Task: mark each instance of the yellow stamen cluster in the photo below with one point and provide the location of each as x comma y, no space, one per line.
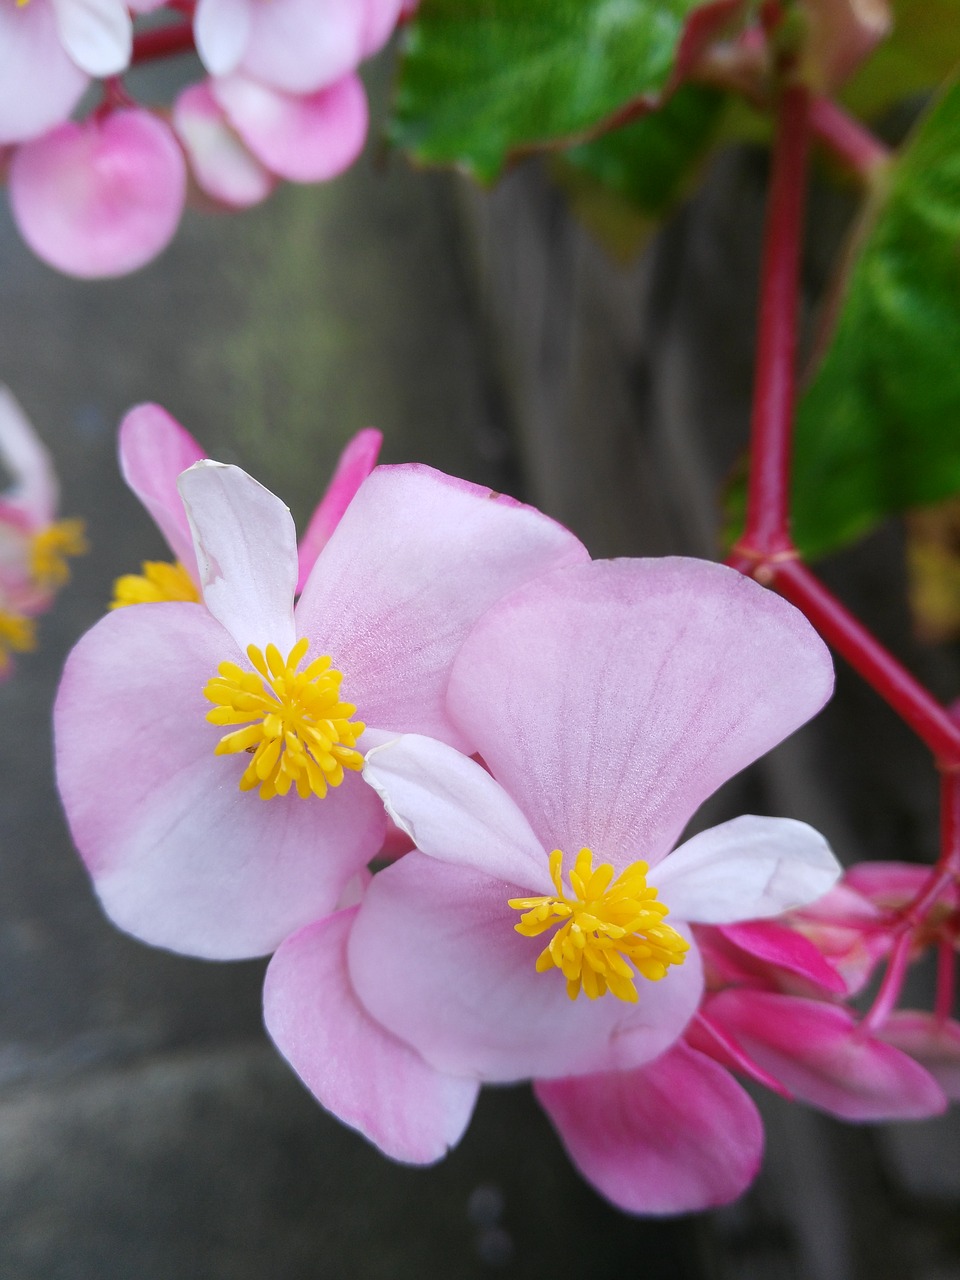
49,549
18,634
604,926
303,735
160,582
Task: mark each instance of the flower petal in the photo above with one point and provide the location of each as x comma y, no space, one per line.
746,869
675,1136
415,560
358,459
611,699
154,450
246,547
221,165
817,1051
291,50
776,944
179,855
935,1044
35,491
364,1075
39,84
435,958
221,29
97,34
453,810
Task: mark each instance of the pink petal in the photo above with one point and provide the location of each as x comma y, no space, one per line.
246,547
453,810
676,674
97,34
221,165
435,958
746,869
775,944
290,49
303,138
100,198
887,884
842,34
154,449
817,1051
179,855
416,559
221,30
365,1076
675,1136
39,84
382,17
935,1044
357,460
35,490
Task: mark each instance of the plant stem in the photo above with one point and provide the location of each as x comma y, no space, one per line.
162,42
847,139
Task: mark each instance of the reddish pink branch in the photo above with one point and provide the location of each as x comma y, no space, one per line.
847,139
946,979
162,42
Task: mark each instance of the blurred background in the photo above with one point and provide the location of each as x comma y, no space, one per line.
147,1128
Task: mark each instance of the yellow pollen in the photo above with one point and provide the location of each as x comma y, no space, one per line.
302,733
605,925
160,582
18,634
49,550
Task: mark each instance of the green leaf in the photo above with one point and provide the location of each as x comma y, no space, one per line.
878,429
651,161
483,78
920,53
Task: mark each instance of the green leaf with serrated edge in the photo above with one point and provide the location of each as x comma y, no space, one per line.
482,78
878,428
650,162
920,52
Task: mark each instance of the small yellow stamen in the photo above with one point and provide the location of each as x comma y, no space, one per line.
302,734
159,582
18,634
49,549
604,926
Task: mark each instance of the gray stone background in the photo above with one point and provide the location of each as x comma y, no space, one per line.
147,1129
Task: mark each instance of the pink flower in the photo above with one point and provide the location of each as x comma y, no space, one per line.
183,851
34,545
608,700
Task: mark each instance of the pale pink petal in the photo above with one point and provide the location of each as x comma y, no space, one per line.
887,884
416,559
246,547
841,34
675,1136
100,198
775,944
364,1075
453,810
381,18
221,165
435,958
613,698
221,29
39,84
816,1050
934,1042
303,138
35,490
746,869
358,459
179,855
97,34
293,48
154,449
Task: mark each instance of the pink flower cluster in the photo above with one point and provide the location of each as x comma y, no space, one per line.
34,544
541,728
102,195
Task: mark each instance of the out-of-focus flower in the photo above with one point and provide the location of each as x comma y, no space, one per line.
608,701
180,855
34,544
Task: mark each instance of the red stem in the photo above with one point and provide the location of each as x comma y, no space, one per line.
946,980
847,139
162,42
768,492
871,660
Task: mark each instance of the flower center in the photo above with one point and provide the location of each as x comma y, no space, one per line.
605,926
159,583
302,733
18,634
49,550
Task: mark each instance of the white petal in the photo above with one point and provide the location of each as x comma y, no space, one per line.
221,29
97,34
25,457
